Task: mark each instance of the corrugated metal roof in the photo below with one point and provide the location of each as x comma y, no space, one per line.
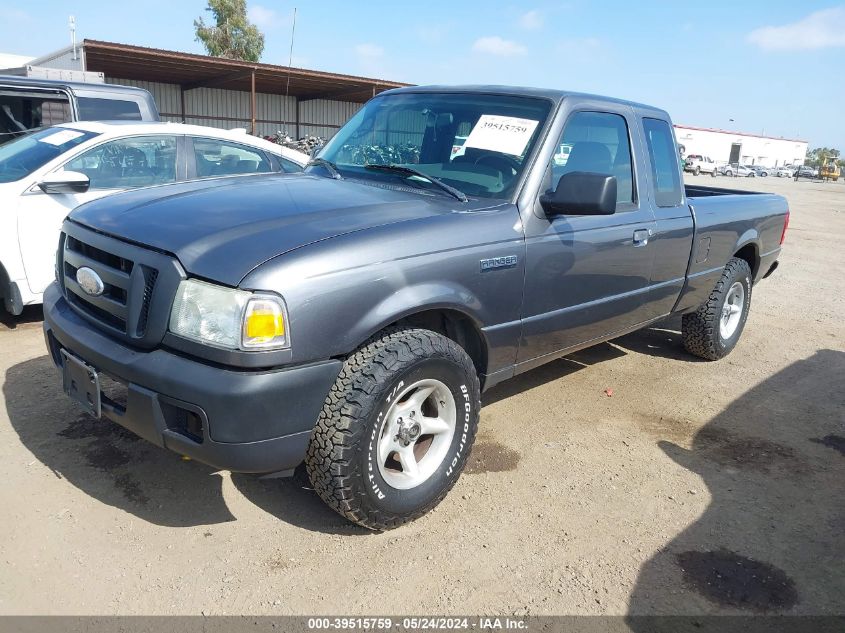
195,71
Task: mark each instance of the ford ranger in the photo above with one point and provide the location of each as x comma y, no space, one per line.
350,316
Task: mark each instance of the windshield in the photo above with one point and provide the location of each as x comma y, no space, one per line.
475,143
24,155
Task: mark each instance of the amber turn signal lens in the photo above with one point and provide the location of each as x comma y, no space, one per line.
264,323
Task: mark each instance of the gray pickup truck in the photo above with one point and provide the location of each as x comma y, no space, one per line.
350,317
28,103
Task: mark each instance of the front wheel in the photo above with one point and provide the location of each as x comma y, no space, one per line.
696,171
713,330
396,429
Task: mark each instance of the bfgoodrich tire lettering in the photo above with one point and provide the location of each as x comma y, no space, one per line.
702,334
343,455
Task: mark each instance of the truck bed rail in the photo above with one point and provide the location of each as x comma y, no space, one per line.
700,191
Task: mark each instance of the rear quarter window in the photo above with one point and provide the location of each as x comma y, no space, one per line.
91,109
219,157
289,167
665,168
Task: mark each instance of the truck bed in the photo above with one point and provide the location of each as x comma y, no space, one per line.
725,220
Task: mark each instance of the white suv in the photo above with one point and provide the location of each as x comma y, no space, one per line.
698,164
48,172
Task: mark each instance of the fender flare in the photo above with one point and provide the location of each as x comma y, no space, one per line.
750,238
416,299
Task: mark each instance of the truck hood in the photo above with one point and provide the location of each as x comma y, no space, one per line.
223,228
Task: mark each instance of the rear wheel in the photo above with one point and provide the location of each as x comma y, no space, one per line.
713,330
713,173
396,428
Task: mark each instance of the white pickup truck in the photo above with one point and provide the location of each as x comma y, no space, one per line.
698,164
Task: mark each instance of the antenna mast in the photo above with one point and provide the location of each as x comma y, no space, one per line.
72,26
290,55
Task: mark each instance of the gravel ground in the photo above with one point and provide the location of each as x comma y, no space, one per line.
695,488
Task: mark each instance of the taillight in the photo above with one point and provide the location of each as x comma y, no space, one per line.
785,226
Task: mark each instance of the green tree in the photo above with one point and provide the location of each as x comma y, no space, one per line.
233,36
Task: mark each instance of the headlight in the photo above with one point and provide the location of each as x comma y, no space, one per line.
229,318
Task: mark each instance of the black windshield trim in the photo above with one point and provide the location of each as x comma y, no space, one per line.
410,171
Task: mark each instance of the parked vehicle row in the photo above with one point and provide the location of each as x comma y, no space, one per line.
350,316
47,173
697,164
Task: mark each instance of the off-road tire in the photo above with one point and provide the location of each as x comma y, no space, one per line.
339,457
700,329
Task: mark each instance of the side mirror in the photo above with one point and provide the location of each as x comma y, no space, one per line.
581,193
65,182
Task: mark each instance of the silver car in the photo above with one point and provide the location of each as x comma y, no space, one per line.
740,170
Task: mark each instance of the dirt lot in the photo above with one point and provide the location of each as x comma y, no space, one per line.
696,488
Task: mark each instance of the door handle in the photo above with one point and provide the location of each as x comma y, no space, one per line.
641,236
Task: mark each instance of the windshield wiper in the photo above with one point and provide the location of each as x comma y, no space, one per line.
327,164
410,171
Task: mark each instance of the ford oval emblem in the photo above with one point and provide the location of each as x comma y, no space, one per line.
90,281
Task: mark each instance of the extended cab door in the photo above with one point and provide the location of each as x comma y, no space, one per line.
672,241
112,166
587,276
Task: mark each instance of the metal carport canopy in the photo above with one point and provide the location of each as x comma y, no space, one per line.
194,71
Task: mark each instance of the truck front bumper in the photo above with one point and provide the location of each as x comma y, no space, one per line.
243,421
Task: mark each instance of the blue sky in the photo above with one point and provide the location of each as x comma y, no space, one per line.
773,66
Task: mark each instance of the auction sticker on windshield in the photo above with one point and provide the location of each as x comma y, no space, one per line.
505,134
61,137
